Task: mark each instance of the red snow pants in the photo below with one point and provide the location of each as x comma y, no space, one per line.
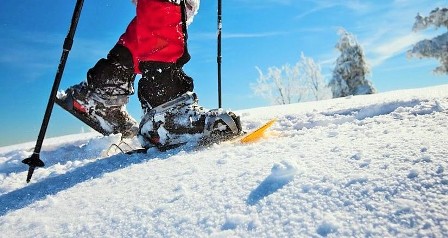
155,34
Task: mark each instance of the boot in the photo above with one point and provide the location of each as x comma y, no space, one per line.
101,100
172,114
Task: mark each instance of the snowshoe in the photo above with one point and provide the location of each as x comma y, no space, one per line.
182,120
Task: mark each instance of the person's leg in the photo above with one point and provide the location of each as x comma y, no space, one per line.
129,39
161,44
160,31
102,98
172,112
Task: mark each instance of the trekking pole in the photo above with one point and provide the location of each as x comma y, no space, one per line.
34,161
219,59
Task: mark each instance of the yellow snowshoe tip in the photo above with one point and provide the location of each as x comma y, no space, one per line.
258,133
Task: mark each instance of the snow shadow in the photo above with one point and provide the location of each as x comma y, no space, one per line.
266,188
33,192
281,175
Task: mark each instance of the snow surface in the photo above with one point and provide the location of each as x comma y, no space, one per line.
363,166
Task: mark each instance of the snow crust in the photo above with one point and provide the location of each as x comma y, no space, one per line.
359,166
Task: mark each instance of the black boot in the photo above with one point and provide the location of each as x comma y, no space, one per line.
161,82
113,76
172,114
101,100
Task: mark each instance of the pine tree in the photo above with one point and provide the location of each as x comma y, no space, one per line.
351,70
436,48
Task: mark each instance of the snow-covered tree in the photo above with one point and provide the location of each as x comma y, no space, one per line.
291,84
313,79
436,48
278,85
351,70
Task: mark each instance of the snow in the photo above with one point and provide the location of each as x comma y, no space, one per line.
359,166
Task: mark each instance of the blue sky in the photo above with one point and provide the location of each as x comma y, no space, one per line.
255,34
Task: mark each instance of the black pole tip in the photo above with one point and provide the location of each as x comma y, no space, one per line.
30,174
